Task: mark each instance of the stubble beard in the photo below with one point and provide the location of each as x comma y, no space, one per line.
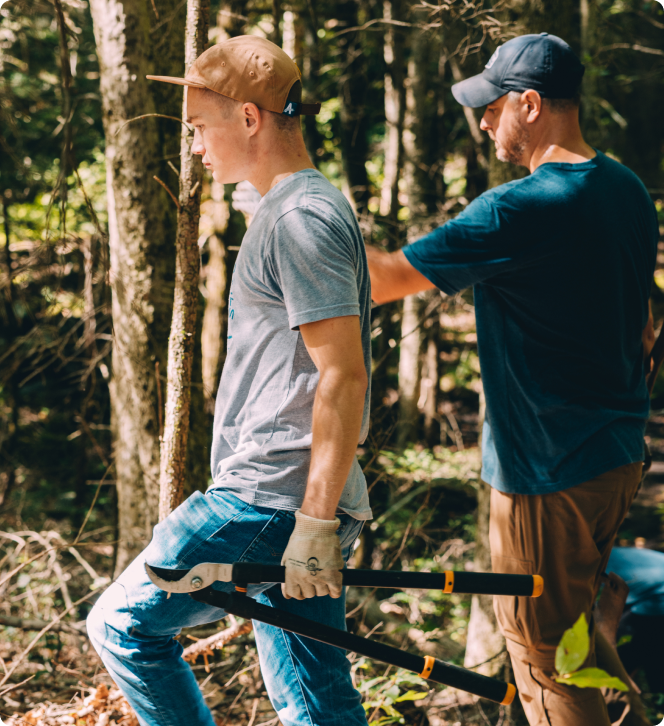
513,149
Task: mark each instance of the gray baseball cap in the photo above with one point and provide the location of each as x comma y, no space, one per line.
542,62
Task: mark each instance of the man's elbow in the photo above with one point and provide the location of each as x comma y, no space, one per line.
353,379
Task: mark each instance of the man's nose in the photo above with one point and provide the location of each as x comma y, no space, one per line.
197,146
484,124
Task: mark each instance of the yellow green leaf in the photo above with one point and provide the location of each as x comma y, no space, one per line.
412,696
573,647
592,678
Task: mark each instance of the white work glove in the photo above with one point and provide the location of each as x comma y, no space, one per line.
313,559
246,198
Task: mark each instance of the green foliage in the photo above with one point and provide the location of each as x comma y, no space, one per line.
441,464
592,678
572,652
573,647
384,693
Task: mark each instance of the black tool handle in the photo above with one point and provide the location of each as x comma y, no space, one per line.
476,583
427,667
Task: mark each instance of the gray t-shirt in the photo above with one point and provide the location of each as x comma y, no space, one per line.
302,260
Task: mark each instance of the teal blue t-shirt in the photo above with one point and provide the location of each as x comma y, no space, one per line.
562,263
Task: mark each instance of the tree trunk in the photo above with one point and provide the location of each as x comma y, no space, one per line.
421,142
353,89
395,109
185,300
141,226
229,229
313,139
409,370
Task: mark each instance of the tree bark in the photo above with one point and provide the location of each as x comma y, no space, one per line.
313,139
395,109
409,370
185,300
353,88
141,227
421,144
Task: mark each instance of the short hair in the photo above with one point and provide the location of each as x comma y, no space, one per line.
224,103
555,105
284,123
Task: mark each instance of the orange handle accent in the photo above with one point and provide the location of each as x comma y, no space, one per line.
449,581
428,666
509,696
240,589
538,585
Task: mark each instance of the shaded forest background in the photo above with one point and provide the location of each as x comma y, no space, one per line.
90,197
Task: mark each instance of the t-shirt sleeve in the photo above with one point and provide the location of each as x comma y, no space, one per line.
470,248
312,265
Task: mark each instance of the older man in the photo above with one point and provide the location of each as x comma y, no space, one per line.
561,263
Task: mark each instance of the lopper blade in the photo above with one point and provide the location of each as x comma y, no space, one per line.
197,578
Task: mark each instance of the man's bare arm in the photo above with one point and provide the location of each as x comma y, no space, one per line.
335,346
392,276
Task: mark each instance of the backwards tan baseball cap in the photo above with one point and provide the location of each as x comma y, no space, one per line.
248,69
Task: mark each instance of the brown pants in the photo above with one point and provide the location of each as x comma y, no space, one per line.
566,537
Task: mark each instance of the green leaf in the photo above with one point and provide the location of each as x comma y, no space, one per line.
573,647
412,696
592,678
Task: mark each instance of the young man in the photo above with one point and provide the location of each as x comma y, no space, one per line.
291,408
561,262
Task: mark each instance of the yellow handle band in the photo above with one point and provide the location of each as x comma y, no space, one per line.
509,696
449,581
428,666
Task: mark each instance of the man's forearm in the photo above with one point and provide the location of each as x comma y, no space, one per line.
337,420
392,276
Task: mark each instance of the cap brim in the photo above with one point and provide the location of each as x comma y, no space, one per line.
476,91
176,81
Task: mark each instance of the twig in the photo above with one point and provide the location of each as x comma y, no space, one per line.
16,570
154,7
239,673
10,621
173,197
253,712
147,115
632,46
16,685
160,403
216,641
94,501
237,698
84,564
43,631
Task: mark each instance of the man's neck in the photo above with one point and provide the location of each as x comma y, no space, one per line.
562,143
277,165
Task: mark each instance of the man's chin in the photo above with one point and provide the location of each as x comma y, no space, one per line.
503,155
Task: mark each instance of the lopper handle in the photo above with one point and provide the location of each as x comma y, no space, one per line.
427,667
475,583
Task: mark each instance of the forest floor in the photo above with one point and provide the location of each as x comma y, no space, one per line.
58,678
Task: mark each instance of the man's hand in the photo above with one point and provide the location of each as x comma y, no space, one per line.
313,559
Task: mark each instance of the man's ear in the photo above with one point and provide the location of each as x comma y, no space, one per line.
252,118
532,103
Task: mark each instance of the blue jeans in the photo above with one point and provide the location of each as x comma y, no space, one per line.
133,624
